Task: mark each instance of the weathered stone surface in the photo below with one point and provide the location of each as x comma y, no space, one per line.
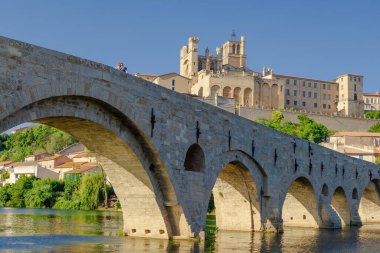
252,170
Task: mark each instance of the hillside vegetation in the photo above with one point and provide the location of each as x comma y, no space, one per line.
34,140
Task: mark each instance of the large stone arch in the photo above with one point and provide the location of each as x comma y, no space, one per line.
369,207
237,183
341,210
128,157
300,207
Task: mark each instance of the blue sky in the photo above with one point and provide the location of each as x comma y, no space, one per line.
318,39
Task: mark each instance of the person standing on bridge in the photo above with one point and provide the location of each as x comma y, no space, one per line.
120,66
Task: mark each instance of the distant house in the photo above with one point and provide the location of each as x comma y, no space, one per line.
84,157
63,168
30,168
171,81
51,162
361,145
5,164
33,158
75,174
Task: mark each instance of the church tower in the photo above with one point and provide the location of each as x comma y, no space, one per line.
189,59
234,52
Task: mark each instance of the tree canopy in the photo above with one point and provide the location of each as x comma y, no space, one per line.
372,115
34,140
306,129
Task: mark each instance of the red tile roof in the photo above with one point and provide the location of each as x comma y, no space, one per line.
82,169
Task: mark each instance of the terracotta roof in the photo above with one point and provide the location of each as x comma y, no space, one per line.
376,94
49,158
356,134
303,78
19,164
82,169
5,163
169,75
70,165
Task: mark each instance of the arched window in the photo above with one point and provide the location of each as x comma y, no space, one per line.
195,159
233,48
355,97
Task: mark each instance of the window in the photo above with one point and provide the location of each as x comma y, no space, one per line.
287,102
324,86
329,86
75,177
324,96
309,85
355,97
371,100
309,94
287,92
329,106
287,81
367,100
315,105
354,87
304,93
315,95
359,79
355,79
341,87
315,85
303,103
67,177
295,82
324,106
295,102
295,93
350,78
304,84
342,95
173,84
281,88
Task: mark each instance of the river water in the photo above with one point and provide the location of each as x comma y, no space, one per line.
45,230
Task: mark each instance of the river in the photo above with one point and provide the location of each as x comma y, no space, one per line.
46,230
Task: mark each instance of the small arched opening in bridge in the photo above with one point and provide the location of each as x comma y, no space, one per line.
128,158
325,190
340,205
369,207
300,208
195,159
236,199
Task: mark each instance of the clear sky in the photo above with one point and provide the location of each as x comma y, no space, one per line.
314,38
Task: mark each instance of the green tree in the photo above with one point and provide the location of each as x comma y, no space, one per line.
5,194
19,189
375,128
372,115
41,195
91,191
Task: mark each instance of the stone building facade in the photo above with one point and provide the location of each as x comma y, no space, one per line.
371,101
227,75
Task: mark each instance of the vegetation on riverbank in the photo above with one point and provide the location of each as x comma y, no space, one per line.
89,193
34,140
306,129
372,115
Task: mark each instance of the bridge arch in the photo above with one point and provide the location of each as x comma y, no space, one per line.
369,207
339,203
300,204
128,157
237,183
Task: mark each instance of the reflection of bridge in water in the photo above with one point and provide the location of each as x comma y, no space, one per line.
166,152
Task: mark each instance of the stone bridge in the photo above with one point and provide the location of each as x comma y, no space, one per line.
165,152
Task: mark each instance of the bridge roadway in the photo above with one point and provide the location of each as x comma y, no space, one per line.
165,153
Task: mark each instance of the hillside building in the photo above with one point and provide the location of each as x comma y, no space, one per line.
371,101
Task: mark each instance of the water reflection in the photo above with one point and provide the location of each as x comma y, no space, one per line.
28,230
